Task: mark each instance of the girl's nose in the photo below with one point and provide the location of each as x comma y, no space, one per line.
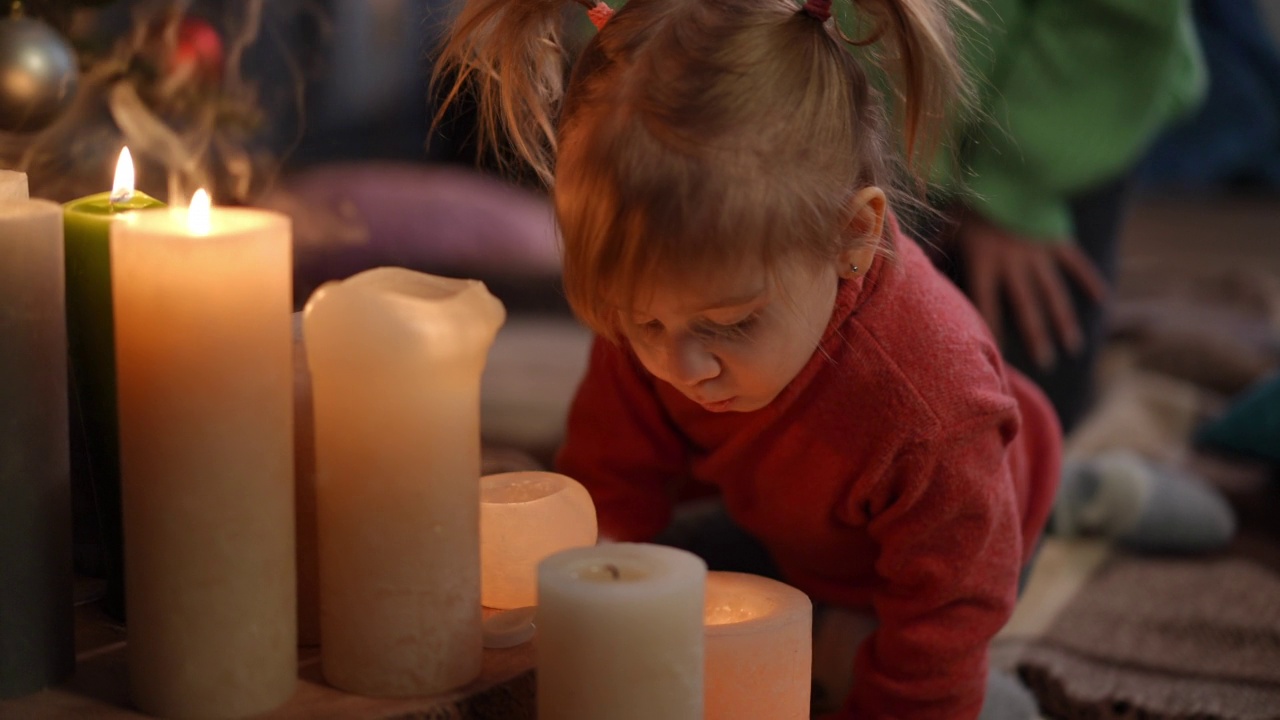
690,363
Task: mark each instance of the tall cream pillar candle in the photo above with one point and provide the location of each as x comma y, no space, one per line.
396,358
759,649
205,379
525,517
620,633
35,492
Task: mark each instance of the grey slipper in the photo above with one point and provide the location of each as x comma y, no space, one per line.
1144,506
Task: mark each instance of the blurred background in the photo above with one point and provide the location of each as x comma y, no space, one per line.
326,104
295,103
322,109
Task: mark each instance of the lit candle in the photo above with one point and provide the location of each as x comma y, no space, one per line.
203,348
13,185
92,355
36,647
620,633
525,517
396,358
759,649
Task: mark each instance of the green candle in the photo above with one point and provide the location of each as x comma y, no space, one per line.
91,339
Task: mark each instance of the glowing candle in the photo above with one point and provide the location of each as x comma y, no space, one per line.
620,633
203,344
13,185
396,358
92,355
525,517
759,649
35,498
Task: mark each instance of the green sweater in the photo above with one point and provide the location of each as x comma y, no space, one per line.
1071,94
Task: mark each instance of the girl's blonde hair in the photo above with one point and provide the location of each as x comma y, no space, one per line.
694,133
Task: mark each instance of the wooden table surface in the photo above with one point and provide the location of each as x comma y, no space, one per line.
99,688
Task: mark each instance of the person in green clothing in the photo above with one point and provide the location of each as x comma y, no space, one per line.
1070,95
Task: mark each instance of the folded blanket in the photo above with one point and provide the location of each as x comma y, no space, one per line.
1164,639
1170,638
1071,687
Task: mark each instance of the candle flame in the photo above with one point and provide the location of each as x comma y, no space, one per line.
122,188
198,213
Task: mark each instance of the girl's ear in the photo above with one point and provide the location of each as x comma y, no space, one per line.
862,236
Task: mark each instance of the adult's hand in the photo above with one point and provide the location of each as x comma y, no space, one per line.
1032,274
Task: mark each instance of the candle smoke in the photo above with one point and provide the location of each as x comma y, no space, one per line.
193,136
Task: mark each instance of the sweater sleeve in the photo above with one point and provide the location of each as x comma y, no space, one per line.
945,520
1080,90
621,445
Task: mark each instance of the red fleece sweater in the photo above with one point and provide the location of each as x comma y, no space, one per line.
905,471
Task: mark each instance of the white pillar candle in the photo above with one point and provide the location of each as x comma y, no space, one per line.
396,358
620,633
759,649
525,517
36,648
13,185
204,377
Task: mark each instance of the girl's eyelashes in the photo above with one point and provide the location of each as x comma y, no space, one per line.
705,328
647,328
734,330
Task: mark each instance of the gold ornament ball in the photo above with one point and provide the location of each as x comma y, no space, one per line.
38,74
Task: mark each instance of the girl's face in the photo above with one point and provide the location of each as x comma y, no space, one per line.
731,341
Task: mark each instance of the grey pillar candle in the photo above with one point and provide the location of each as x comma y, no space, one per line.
36,638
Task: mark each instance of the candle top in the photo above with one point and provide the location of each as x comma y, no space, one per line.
415,315
522,487
739,603
18,208
100,204
621,570
220,222
13,185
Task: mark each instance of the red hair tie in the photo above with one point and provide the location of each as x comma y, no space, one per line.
601,13
819,9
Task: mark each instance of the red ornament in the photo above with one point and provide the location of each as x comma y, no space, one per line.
198,55
600,15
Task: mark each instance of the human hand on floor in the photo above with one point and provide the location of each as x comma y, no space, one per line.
1032,274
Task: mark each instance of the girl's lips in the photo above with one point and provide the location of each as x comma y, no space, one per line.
720,405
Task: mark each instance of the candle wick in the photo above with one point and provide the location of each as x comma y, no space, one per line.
613,571
119,196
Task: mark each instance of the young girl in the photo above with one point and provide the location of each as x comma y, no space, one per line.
721,174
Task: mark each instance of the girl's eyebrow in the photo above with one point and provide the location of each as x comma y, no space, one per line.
733,302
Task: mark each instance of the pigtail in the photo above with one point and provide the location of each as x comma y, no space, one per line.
508,55
918,50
